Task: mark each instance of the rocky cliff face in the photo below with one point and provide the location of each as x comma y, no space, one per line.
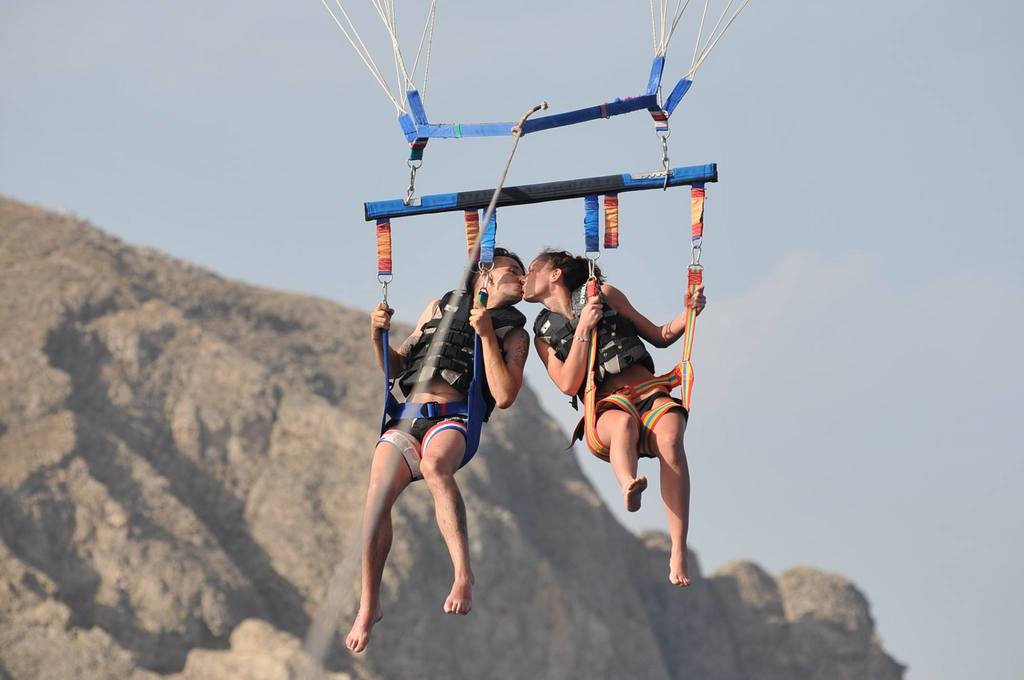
183,461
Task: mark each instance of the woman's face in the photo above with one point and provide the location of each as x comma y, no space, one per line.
538,280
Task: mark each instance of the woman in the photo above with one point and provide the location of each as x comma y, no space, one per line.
636,416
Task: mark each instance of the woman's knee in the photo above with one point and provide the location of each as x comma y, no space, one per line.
619,422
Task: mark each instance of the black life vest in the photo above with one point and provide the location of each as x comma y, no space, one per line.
453,360
618,343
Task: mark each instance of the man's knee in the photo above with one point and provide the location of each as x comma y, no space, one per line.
434,468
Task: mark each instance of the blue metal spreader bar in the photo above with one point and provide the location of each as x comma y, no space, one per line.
417,127
539,193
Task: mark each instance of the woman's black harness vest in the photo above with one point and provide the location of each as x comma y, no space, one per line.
618,344
453,361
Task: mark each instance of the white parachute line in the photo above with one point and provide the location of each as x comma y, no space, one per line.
385,11
664,24
711,45
680,8
430,48
360,48
721,18
387,15
428,26
700,35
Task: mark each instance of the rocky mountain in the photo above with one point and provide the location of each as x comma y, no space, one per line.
183,462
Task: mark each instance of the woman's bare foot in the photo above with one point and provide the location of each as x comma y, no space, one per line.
359,636
632,493
460,599
677,573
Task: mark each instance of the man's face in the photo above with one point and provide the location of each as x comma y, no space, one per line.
506,286
538,280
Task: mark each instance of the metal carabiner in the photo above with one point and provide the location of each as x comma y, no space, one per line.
384,287
411,191
664,158
695,252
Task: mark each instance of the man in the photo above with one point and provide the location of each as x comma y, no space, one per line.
432,445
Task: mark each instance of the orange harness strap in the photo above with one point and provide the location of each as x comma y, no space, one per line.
626,398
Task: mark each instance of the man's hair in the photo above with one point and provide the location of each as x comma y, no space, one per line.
503,252
575,268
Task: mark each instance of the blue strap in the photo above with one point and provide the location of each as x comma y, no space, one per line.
590,220
681,88
453,130
487,241
391,405
654,82
408,127
431,409
416,107
477,405
590,113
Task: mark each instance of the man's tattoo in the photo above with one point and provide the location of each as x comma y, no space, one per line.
407,345
518,350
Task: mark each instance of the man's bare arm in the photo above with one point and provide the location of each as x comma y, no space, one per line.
505,369
397,357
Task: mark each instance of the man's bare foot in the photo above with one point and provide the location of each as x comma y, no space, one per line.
460,600
632,493
677,573
359,636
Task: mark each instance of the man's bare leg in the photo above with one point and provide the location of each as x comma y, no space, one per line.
389,475
441,458
619,431
675,489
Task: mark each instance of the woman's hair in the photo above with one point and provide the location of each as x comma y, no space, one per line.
575,268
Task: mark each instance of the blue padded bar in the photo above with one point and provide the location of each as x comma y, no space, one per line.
681,88
455,130
416,107
423,130
487,241
590,219
590,113
408,127
654,82
539,193
425,204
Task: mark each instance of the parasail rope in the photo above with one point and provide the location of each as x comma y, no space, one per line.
361,50
712,42
386,12
428,36
680,8
700,34
668,27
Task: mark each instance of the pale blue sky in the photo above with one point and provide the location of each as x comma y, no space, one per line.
858,375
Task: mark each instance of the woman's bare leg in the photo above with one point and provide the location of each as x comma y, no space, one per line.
667,442
620,432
